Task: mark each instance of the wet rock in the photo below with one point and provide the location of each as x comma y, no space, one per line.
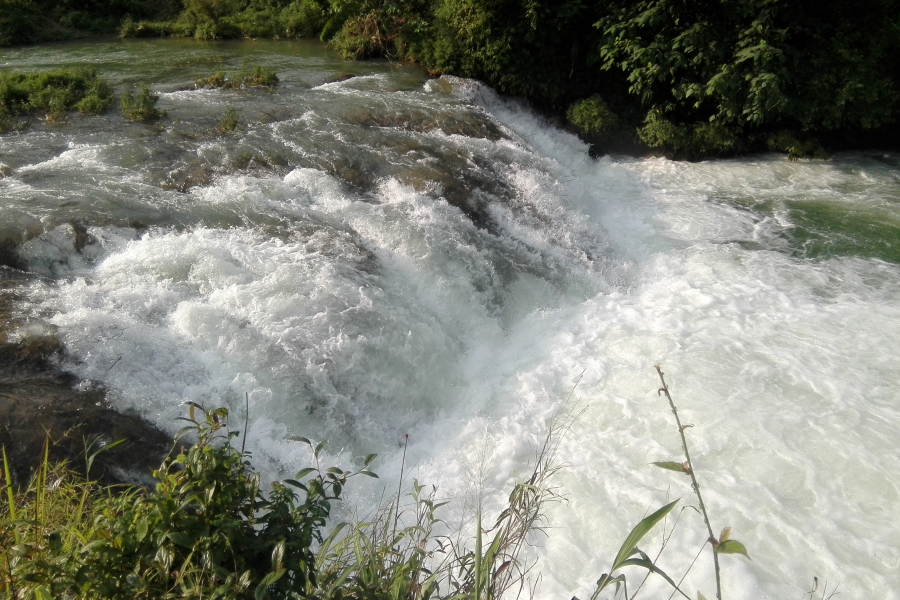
342,76
9,255
38,399
257,163
5,170
190,176
82,237
421,121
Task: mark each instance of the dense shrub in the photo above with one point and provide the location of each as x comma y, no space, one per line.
140,106
53,93
688,141
207,530
593,117
230,123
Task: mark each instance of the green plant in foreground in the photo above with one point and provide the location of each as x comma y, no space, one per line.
207,530
140,106
630,555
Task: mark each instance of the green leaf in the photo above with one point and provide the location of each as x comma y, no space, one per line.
642,529
142,527
41,593
369,473
303,472
640,562
700,596
369,460
299,438
732,547
181,539
319,447
670,466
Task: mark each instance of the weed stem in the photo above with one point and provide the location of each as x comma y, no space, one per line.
665,390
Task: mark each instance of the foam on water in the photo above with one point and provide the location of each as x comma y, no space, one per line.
361,310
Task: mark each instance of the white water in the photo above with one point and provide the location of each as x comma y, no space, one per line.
360,314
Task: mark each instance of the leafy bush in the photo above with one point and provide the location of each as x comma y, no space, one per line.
53,93
207,530
688,141
303,19
362,37
20,23
142,106
789,142
230,123
822,65
592,117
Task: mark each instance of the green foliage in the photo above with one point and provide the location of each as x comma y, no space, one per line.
537,49
20,23
222,19
53,93
142,29
821,65
207,531
253,76
230,123
31,21
787,141
304,19
692,142
140,106
627,552
592,117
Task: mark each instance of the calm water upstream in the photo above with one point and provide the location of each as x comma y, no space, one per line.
390,254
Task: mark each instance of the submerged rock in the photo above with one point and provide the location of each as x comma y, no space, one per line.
39,400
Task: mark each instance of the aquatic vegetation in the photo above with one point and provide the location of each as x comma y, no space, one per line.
52,94
254,76
230,123
140,106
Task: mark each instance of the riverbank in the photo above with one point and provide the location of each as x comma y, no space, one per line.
802,78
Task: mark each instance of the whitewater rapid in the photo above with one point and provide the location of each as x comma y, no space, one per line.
420,257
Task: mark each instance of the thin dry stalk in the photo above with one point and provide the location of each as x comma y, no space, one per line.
690,470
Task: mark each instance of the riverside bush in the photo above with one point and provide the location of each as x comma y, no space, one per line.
208,531
592,117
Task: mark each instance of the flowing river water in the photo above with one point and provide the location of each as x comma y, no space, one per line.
390,254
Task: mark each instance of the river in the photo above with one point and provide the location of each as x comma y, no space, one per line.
377,253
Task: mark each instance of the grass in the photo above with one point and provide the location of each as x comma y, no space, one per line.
52,94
